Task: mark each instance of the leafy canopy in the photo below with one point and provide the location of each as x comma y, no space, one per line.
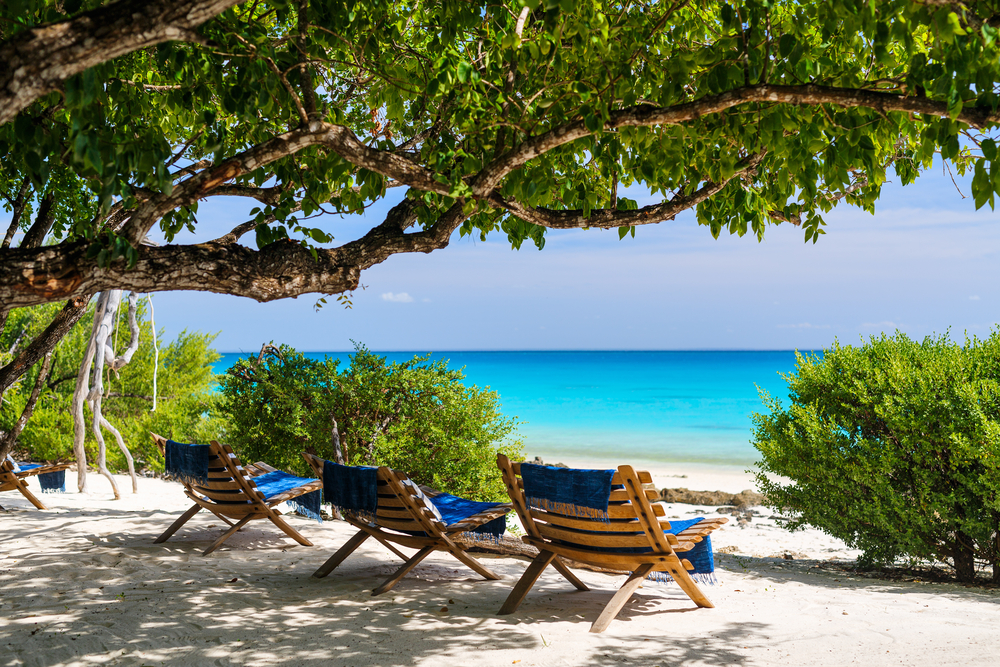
496,116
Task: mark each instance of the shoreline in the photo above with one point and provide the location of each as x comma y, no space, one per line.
689,475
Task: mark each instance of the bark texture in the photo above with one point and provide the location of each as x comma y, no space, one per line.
37,61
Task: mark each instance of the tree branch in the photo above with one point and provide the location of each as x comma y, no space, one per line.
37,61
607,218
338,138
17,208
47,340
41,274
646,115
9,439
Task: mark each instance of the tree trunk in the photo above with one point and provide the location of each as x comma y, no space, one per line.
964,558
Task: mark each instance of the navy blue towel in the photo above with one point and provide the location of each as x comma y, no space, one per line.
273,483
351,489
454,509
569,491
187,463
701,555
53,482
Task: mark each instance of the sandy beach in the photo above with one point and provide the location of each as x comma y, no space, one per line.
82,584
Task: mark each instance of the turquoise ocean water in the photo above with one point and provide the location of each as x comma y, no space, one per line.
653,406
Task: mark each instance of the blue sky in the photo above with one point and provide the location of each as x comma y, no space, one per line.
925,262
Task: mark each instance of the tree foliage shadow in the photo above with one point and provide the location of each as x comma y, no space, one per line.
132,602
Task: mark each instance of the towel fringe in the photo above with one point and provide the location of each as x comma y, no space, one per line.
707,578
307,505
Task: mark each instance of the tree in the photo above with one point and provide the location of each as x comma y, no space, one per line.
494,116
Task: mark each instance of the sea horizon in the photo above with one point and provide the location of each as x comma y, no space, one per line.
660,407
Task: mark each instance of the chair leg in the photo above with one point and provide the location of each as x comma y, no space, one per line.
525,583
570,577
620,598
175,526
389,583
474,564
342,553
23,488
229,533
688,585
288,530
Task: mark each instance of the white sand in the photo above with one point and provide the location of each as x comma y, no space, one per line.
83,584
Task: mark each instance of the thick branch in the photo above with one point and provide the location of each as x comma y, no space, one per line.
47,340
606,218
37,61
42,224
280,270
647,115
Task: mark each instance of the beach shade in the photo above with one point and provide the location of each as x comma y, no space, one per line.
621,531
385,504
215,480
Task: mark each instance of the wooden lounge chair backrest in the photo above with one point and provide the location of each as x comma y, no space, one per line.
632,520
230,492
400,507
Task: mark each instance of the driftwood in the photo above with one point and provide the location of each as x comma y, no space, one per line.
90,386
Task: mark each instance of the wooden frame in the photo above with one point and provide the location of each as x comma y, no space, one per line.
633,522
231,493
401,511
14,481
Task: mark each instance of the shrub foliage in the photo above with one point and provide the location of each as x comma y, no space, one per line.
185,384
415,416
893,447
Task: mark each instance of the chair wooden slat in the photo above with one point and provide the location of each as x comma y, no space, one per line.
231,493
399,511
584,539
14,481
634,522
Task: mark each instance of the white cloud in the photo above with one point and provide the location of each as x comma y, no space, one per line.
402,297
804,325
974,297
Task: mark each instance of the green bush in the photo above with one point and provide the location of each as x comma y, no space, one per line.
185,392
415,416
893,447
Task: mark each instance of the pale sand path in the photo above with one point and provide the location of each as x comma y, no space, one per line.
82,584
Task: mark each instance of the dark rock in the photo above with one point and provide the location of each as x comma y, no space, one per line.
539,462
742,500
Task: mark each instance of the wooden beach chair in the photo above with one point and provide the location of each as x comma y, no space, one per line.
403,517
232,494
14,481
633,539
